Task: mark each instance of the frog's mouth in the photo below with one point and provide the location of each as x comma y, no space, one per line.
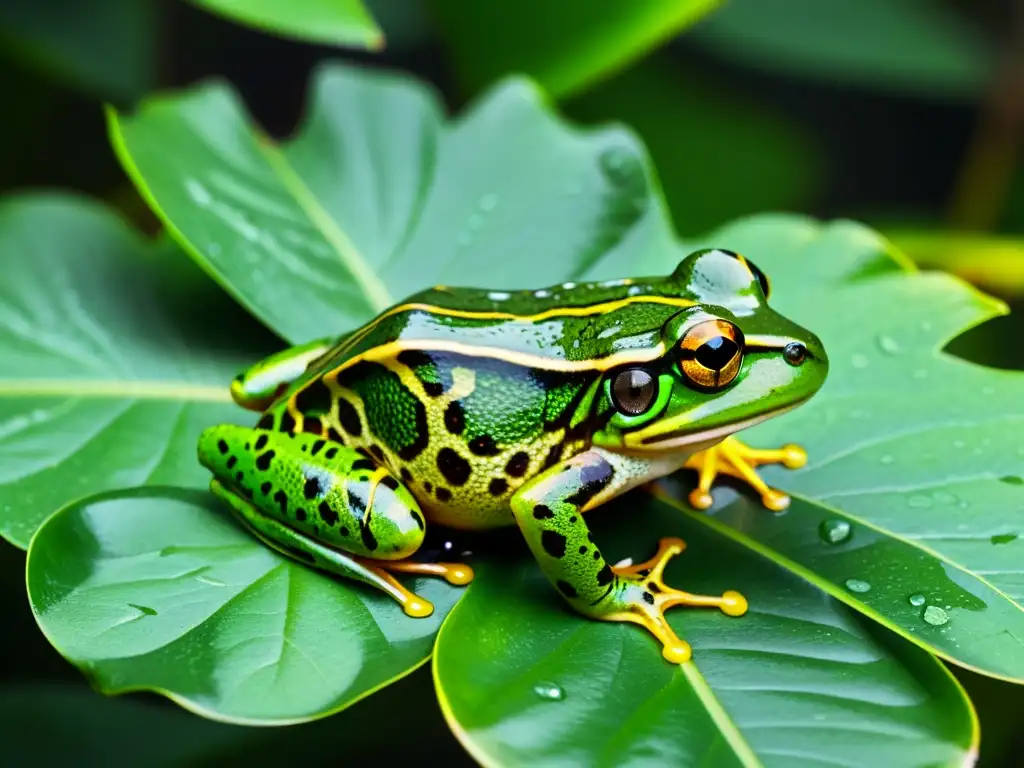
696,440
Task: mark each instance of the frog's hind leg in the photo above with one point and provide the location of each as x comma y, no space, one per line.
549,511
291,543
733,458
258,386
325,504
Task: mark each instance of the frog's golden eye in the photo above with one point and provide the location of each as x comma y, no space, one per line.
710,353
633,391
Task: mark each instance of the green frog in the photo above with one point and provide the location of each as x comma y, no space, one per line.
476,408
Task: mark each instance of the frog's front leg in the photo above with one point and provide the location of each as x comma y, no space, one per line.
549,510
323,504
258,386
733,458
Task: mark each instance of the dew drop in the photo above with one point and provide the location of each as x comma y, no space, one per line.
919,501
917,600
888,345
549,691
834,531
935,616
1003,538
488,202
859,361
887,458
1011,480
857,585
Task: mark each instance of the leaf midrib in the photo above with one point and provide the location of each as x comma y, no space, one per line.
99,388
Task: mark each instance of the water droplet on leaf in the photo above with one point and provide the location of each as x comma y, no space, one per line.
935,616
917,600
549,691
887,458
888,345
834,531
857,585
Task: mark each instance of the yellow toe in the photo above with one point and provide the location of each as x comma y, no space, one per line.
733,603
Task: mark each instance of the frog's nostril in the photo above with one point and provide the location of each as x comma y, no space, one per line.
795,353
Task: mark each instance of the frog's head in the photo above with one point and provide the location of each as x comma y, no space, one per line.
730,361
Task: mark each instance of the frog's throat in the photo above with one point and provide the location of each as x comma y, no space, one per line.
668,439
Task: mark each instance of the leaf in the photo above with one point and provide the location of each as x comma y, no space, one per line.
919,452
158,589
108,373
799,680
378,197
106,48
991,262
331,22
916,47
565,46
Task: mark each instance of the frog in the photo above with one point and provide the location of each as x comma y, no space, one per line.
478,409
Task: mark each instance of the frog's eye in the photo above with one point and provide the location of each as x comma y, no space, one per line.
710,353
633,391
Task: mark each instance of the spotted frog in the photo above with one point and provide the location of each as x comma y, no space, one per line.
477,409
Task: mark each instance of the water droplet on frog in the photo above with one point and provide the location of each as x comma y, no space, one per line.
858,585
888,345
549,691
1011,480
1003,538
935,616
859,361
918,501
887,458
488,202
917,600
834,531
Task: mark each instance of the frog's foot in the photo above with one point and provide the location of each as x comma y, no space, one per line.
642,598
414,605
733,458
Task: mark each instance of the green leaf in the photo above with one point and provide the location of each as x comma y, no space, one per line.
799,680
110,371
919,452
565,46
159,589
917,47
107,48
378,197
331,22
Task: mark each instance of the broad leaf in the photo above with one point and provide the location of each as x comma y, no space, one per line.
799,680
918,47
565,46
159,589
448,208
106,48
110,365
332,22
378,197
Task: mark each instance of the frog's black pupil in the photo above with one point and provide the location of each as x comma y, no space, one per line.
794,352
634,391
714,354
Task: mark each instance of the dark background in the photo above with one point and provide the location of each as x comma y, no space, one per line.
926,151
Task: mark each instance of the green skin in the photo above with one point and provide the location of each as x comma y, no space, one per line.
475,419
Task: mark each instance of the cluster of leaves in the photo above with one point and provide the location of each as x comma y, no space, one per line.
902,543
